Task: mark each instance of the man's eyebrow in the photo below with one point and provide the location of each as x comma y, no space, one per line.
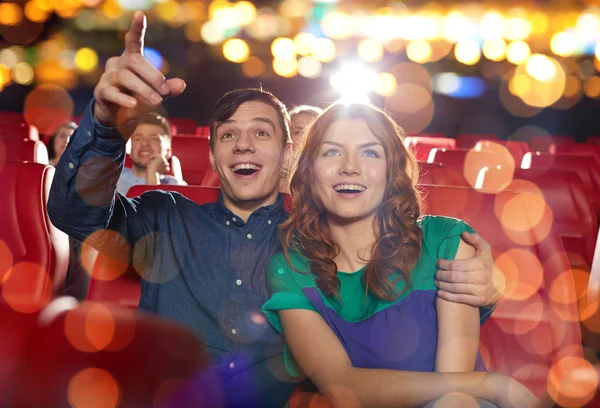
257,119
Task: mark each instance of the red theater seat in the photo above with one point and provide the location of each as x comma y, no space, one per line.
193,154
542,143
125,289
585,166
440,175
585,149
93,355
516,148
35,252
183,125
574,215
535,325
422,145
469,140
203,131
211,179
18,130
23,150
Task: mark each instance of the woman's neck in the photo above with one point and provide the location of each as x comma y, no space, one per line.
355,240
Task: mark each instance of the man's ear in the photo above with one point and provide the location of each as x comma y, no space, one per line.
211,157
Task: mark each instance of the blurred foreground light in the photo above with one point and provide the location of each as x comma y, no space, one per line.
11,14
283,48
467,52
154,57
236,50
517,52
253,67
386,84
337,25
541,68
309,67
324,50
304,43
419,51
295,8
86,59
246,12
34,13
494,49
23,73
370,50
354,82
517,28
135,4
285,68
563,44
492,25
212,33
450,84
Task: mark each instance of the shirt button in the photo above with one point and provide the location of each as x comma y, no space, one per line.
269,222
238,282
249,236
233,331
227,222
71,166
231,365
234,219
89,134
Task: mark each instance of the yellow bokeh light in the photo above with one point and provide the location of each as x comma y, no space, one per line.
541,68
285,68
419,51
11,14
9,58
309,67
597,52
246,12
211,33
573,87
517,29
592,87
193,31
324,50
167,10
562,44
386,84
216,7
337,25
494,49
467,52
23,73
34,13
45,5
236,50
86,59
111,9
492,25
295,8
540,23
304,43
283,48
370,50
519,85
518,52
253,67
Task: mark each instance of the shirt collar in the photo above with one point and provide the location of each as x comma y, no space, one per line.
275,212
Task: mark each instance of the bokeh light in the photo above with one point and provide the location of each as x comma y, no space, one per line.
370,50
236,50
467,52
35,13
27,288
419,51
572,382
562,44
324,50
309,67
337,25
11,14
86,60
283,48
23,73
285,68
47,107
517,52
93,387
523,273
253,67
304,43
494,49
386,84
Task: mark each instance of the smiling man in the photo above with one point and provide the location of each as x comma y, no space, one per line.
150,151
201,265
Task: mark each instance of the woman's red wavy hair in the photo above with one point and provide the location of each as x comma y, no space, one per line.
398,236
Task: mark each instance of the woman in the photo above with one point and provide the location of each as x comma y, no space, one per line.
353,292
58,141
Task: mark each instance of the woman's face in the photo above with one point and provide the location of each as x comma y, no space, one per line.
350,171
61,140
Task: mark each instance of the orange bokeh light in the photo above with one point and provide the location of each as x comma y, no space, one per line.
47,107
27,288
572,382
522,271
101,266
526,217
93,387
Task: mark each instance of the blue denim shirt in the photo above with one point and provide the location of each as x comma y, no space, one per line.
202,266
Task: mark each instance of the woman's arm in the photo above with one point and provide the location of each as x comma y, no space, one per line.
324,360
458,329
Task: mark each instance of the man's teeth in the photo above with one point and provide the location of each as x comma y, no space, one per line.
350,187
245,166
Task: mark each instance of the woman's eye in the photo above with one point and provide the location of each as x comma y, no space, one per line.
370,153
331,152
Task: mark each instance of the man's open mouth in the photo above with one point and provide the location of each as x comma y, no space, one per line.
245,169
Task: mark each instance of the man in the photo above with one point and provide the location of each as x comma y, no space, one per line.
203,266
150,149
301,116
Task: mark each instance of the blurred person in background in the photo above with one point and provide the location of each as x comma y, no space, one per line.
150,154
301,116
59,140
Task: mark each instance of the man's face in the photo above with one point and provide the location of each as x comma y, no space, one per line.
248,154
299,122
146,142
